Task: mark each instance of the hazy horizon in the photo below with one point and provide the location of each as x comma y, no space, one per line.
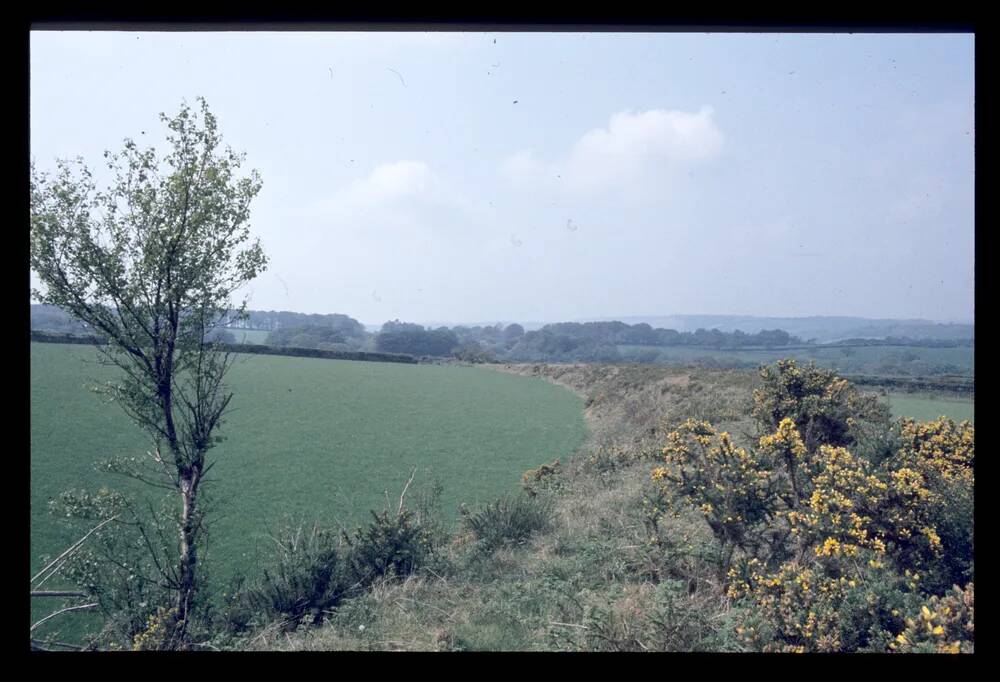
540,177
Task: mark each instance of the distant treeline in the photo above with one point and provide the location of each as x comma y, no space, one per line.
559,342
284,320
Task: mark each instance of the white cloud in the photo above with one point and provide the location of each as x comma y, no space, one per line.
398,189
522,166
390,183
631,155
402,201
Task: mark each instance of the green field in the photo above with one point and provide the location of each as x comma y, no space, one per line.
258,336
927,407
308,438
878,360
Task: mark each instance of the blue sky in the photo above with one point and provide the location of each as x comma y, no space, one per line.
553,176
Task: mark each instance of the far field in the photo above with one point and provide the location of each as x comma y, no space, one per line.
258,336
925,407
308,438
871,360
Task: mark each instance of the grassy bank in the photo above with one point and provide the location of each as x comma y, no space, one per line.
598,576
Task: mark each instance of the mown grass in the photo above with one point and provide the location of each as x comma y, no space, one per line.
306,438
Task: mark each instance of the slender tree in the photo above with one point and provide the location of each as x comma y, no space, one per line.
151,262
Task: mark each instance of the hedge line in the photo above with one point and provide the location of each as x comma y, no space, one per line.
316,353
958,384
49,337
59,337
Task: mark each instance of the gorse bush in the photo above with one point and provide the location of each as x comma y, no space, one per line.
510,519
393,545
302,577
311,571
942,625
731,486
827,548
824,408
816,606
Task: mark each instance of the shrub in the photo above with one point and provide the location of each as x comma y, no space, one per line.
543,477
732,487
302,577
119,565
311,572
157,635
942,452
824,407
508,520
393,545
818,606
831,548
943,625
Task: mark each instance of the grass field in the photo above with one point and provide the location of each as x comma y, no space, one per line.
927,407
250,335
308,438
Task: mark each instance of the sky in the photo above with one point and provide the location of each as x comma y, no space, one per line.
486,177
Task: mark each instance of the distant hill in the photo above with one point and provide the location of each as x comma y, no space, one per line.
822,329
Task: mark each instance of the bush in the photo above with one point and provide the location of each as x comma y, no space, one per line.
735,489
393,545
942,453
119,567
303,577
544,477
825,547
473,353
943,625
817,606
508,520
824,407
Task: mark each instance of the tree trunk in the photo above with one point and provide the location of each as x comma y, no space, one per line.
188,558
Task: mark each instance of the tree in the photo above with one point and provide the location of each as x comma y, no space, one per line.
403,339
512,333
151,263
